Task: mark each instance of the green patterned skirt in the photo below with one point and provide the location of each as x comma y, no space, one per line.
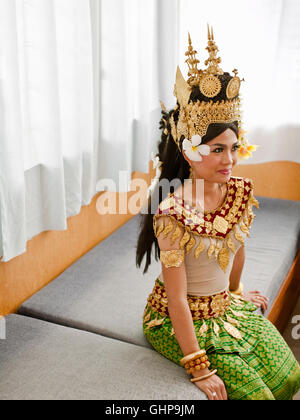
252,358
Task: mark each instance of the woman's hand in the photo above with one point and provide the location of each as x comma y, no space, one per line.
213,387
257,298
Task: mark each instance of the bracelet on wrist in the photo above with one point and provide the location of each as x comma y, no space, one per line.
239,290
192,356
195,362
197,365
200,378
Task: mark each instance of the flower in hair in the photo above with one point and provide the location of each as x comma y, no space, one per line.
194,149
245,150
157,164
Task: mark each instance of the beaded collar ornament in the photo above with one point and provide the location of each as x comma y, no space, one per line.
194,117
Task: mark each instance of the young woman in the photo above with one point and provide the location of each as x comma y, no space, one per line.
197,315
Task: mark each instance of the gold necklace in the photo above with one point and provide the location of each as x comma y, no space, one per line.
220,186
220,198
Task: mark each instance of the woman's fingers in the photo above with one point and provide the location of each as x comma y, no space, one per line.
215,394
223,393
208,390
213,387
258,299
261,301
212,395
221,390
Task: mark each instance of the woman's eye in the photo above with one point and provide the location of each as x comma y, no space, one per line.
220,149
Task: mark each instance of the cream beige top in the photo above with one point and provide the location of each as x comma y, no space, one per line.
210,240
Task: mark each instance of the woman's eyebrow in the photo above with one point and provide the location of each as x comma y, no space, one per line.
223,145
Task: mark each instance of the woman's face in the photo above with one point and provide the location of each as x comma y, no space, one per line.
223,156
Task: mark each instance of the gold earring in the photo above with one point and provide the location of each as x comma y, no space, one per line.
191,173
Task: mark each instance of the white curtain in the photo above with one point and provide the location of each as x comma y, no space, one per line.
48,143
136,55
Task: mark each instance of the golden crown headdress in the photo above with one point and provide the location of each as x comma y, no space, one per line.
195,116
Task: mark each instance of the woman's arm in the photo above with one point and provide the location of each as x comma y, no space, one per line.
176,289
180,314
237,268
175,283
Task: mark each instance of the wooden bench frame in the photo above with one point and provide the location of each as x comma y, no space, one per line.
287,297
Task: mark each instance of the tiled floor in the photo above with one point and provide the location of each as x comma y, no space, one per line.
291,338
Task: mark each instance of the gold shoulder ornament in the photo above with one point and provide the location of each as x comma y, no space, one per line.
172,258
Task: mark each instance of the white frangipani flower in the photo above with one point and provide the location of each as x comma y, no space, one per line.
194,149
157,166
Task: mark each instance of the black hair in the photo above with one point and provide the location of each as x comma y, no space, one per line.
174,166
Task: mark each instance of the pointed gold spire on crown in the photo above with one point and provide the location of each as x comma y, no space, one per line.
192,63
218,101
163,107
213,61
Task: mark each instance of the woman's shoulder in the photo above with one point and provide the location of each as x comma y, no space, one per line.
243,187
239,180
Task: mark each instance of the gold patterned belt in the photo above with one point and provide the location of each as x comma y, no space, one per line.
202,307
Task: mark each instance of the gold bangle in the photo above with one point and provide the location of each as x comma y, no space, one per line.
198,367
196,362
192,356
239,290
200,378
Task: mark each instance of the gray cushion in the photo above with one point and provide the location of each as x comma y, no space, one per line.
272,246
41,360
104,293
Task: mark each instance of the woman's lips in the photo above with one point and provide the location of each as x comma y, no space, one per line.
225,172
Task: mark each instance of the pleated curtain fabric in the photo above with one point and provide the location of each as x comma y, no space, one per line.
47,150
80,87
136,53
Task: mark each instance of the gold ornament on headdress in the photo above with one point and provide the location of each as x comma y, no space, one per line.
210,85
195,117
192,63
213,61
233,86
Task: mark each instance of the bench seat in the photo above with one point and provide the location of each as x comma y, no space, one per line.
44,361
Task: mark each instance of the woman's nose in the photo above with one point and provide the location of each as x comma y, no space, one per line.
228,157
